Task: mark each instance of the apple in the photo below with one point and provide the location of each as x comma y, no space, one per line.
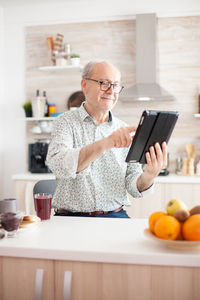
174,205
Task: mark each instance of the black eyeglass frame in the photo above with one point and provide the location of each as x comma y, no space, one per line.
100,82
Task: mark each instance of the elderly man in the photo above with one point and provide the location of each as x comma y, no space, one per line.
88,150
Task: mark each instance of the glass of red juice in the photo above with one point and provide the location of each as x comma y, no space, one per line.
10,222
43,205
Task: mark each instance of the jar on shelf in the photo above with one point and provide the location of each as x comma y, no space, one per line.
38,105
52,109
67,52
60,59
57,48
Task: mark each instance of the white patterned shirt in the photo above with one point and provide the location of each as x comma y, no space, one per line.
104,184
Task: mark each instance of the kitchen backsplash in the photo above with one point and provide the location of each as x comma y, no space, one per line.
178,68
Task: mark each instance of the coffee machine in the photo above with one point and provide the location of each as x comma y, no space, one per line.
37,153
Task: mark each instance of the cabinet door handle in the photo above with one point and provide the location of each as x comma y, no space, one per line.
67,285
39,284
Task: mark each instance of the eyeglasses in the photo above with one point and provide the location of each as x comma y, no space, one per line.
105,86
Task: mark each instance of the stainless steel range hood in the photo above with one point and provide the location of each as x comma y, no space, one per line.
147,87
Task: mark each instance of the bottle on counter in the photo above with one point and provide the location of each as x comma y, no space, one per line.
46,111
199,101
198,168
179,165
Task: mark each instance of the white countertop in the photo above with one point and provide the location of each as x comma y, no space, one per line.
95,240
171,178
33,176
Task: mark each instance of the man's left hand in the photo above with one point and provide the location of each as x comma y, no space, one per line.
156,161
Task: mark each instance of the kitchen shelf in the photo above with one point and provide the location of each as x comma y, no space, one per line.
58,68
197,115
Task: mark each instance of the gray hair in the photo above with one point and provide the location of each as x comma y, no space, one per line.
88,68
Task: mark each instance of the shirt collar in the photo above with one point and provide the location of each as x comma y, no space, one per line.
84,114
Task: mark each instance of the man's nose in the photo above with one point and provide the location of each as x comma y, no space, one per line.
110,90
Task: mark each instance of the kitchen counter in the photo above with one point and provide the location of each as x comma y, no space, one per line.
95,240
174,178
33,176
171,178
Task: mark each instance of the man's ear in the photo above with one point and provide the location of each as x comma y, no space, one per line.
84,85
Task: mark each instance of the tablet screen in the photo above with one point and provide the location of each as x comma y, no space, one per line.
154,126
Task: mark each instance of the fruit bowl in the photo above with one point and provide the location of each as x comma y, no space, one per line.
185,245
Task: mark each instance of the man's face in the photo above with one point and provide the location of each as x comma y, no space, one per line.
96,98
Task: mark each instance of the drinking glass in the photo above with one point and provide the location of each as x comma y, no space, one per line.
43,205
8,205
10,222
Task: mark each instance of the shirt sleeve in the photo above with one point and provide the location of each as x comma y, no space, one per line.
62,158
134,170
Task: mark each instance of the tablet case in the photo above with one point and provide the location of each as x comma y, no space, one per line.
154,126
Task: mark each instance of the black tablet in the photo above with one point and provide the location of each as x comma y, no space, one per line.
154,126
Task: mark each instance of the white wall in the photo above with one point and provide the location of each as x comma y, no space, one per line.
13,153
14,130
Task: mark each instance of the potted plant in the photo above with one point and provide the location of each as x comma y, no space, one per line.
27,106
75,59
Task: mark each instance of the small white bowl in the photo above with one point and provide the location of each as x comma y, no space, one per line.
36,130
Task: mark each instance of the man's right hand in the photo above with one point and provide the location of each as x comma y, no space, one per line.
122,137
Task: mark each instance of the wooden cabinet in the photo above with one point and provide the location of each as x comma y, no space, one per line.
109,281
164,192
25,278
187,192
66,280
104,281
86,280
143,207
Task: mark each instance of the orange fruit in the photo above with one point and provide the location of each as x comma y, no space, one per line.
154,218
191,228
168,228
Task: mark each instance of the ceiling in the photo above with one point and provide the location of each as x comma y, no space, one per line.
178,7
